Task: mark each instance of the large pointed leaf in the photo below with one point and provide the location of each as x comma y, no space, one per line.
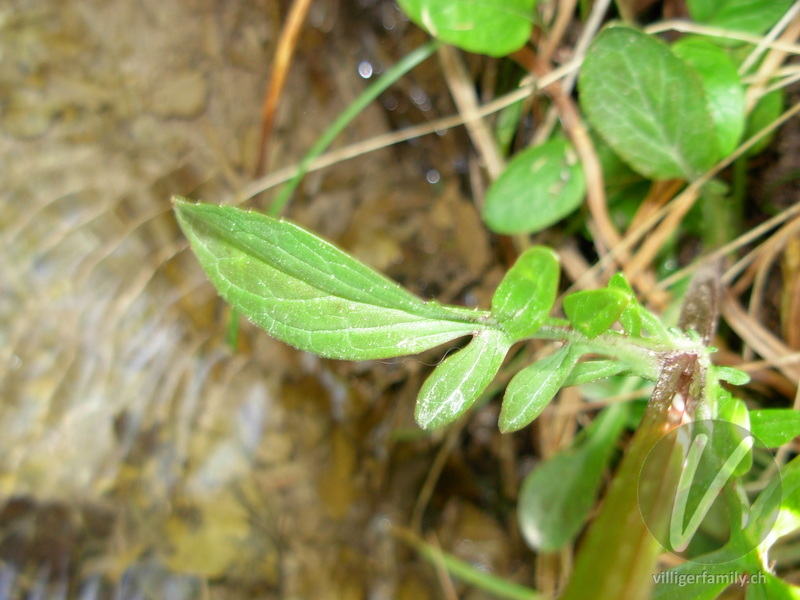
648,105
456,383
527,293
308,293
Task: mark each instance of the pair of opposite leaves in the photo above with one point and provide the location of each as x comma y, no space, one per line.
306,292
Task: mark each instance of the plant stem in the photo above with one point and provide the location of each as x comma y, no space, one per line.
644,356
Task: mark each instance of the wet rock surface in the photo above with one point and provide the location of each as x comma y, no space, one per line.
139,452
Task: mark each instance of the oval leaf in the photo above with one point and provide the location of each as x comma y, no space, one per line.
776,426
532,389
752,16
722,86
592,370
308,293
648,105
592,312
539,187
458,381
493,28
556,497
527,293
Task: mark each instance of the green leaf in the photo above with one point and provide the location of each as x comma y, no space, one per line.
722,86
763,515
783,491
556,497
765,586
480,26
458,381
592,312
494,586
631,318
767,109
775,427
696,580
751,16
527,293
592,370
648,105
532,389
308,293
731,375
733,411
539,187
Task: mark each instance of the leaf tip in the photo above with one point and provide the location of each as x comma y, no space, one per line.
179,201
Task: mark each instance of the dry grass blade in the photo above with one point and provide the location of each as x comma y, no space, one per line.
679,206
463,92
385,140
280,69
769,38
771,63
759,338
742,240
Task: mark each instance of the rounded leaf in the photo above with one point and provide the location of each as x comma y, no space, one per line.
527,293
752,16
556,498
493,28
775,426
592,312
722,86
648,105
539,187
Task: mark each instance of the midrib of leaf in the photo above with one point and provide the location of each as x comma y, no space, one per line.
299,254
310,294
332,326
657,124
450,403
483,357
649,87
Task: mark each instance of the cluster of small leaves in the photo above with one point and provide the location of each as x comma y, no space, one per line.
656,111
667,111
308,293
